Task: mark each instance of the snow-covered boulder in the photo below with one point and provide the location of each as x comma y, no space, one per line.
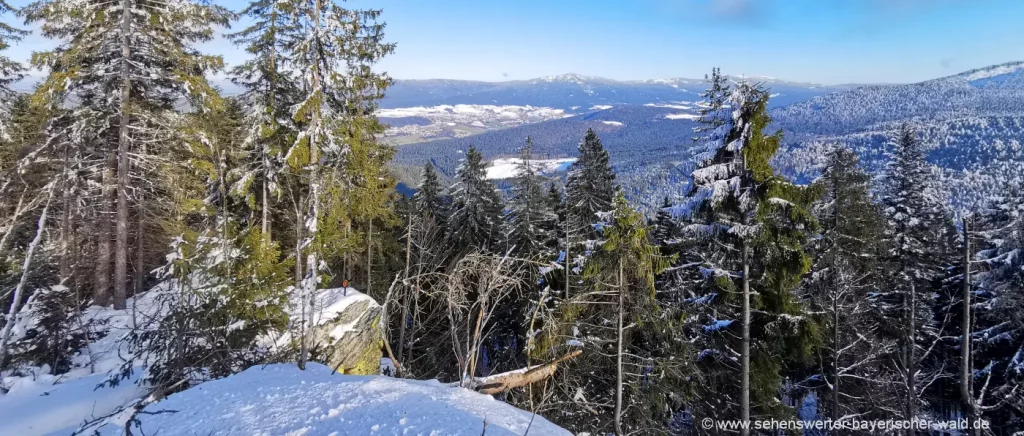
283,400
347,331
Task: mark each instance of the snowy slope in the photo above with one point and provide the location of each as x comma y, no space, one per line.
506,168
283,400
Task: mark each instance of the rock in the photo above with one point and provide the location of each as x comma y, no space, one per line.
347,335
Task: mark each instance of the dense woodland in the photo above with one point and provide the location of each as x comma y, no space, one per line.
751,297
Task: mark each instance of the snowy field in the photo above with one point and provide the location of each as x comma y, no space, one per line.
506,168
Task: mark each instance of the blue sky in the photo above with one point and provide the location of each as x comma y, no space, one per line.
824,41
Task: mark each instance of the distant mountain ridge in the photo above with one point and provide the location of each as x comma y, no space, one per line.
574,91
973,123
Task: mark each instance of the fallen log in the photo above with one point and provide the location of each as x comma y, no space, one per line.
498,383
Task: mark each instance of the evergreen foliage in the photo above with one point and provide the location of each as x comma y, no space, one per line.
475,221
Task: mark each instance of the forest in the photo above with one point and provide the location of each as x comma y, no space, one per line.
745,297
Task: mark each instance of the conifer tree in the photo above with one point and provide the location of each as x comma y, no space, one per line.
335,153
996,349
590,187
664,225
529,208
10,71
476,207
842,277
428,199
269,92
917,234
126,64
749,227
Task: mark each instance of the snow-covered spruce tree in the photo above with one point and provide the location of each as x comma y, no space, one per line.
475,220
227,280
428,200
529,210
664,225
996,381
916,247
747,227
335,154
10,71
269,92
851,376
630,367
590,187
125,64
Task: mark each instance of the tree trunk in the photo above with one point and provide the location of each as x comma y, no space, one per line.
65,224
618,354
265,219
745,347
505,381
835,349
966,391
104,244
369,255
123,164
568,268
20,289
911,357
406,295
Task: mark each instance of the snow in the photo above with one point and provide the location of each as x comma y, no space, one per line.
329,303
280,399
669,106
600,107
998,70
506,168
39,402
612,123
45,408
682,116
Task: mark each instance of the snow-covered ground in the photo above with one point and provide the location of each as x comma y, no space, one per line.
283,400
613,123
276,399
506,168
38,402
682,116
453,121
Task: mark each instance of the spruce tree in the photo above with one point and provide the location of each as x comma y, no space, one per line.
335,159
529,210
842,278
428,201
748,227
664,225
476,207
916,240
268,93
126,64
590,187
10,71
996,351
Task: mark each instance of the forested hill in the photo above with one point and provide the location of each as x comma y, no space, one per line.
575,91
971,122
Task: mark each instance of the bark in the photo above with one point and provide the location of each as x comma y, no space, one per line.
745,346
618,355
911,356
966,391
20,289
499,383
369,256
405,295
104,244
123,165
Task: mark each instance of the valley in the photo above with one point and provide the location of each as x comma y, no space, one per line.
972,123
